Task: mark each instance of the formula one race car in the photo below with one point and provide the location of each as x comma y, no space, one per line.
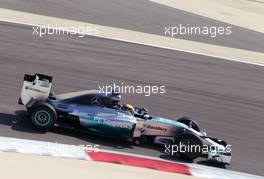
102,114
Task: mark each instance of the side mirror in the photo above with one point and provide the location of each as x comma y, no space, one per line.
145,110
204,134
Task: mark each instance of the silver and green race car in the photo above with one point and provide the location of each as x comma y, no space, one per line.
102,114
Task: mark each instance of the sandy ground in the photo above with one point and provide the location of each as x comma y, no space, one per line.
17,166
244,13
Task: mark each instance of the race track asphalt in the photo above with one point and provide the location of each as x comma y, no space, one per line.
225,97
138,15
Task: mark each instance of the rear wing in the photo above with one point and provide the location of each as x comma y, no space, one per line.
35,88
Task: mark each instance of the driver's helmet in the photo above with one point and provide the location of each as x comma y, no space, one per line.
129,108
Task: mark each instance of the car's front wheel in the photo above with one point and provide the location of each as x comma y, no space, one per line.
43,117
189,146
189,122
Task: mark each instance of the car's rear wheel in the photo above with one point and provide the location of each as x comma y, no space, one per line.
43,117
189,146
189,122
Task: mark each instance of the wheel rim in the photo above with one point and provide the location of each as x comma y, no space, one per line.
190,143
42,118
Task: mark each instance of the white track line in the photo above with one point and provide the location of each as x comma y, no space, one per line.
41,148
214,51
151,45
65,150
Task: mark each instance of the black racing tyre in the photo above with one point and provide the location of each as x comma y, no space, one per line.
20,101
189,122
189,146
43,117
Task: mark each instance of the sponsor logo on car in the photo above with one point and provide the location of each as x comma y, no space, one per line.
155,127
113,123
